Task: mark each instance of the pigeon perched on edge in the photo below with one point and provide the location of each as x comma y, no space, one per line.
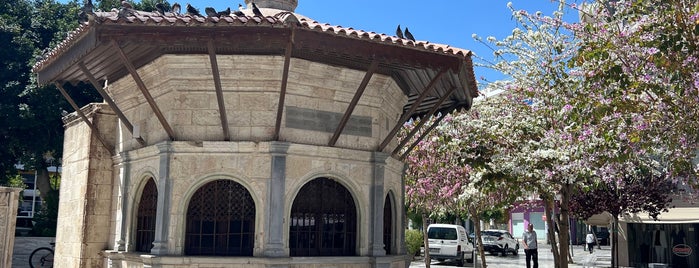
210,12
256,10
192,11
409,35
399,32
176,9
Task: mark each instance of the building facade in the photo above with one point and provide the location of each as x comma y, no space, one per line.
242,140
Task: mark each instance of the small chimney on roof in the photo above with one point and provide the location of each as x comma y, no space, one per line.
288,5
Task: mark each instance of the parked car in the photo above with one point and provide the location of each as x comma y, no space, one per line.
449,242
499,241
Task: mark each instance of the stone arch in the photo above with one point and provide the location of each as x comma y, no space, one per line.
324,220
220,218
146,211
389,223
134,202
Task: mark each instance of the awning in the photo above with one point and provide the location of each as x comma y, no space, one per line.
602,219
675,215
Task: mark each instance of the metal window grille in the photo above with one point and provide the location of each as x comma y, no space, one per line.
220,220
145,219
387,225
323,220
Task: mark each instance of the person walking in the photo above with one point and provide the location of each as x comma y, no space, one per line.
590,240
530,246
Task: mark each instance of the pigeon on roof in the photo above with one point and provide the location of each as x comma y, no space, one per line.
226,12
86,12
161,8
210,12
409,35
126,4
239,13
256,10
192,11
399,32
241,7
176,9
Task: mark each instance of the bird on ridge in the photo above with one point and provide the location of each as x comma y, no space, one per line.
161,8
126,4
210,12
256,10
192,11
399,32
226,12
176,8
409,35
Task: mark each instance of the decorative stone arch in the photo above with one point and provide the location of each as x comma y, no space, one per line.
253,226
135,196
339,232
390,223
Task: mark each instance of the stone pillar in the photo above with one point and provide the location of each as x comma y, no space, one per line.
376,246
162,218
9,200
274,208
122,202
402,217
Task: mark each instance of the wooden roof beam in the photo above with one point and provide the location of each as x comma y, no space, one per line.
360,91
428,130
285,79
84,118
428,89
109,101
127,63
424,119
219,90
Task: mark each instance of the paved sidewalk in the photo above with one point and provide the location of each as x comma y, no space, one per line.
581,258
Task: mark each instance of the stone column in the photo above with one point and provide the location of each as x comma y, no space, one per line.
9,200
376,246
274,208
162,218
122,201
401,216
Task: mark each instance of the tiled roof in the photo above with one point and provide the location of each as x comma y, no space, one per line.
280,18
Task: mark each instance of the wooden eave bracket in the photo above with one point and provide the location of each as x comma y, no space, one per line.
219,91
142,86
109,101
285,79
428,130
84,118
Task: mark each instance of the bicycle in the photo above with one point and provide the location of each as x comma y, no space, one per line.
42,257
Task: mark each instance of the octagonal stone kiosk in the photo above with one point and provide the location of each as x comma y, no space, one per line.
242,140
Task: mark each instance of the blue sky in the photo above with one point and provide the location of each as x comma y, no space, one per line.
449,22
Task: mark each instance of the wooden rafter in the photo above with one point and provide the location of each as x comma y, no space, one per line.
285,79
422,122
142,86
428,130
428,89
219,90
84,118
360,91
109,101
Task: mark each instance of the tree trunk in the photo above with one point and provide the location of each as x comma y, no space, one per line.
479,241
548,208
426,240
615,239
564,225
43,181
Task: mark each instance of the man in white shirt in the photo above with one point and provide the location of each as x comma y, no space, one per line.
590,240
529,242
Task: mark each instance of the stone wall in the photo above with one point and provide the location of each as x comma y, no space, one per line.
182,86
84,212
9,200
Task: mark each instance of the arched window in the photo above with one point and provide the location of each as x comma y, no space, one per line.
145,217
220,220
387,225
323,220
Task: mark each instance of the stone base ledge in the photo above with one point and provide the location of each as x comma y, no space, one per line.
120,259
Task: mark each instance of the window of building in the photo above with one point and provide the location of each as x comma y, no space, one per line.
145,219
220,220
387,225
323,220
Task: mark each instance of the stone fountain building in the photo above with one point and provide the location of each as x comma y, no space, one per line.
242,141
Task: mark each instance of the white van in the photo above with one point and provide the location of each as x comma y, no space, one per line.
449,241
